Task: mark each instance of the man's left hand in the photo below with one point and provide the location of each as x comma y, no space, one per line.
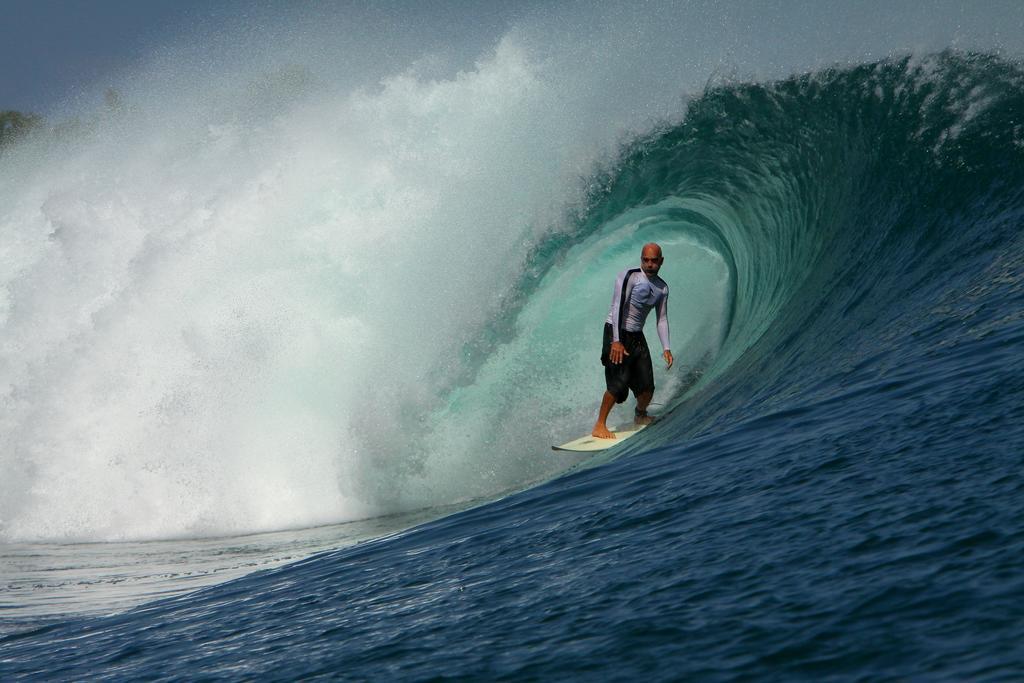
668,359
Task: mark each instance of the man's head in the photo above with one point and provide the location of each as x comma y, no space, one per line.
651,258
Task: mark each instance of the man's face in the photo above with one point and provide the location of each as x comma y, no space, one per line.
651,260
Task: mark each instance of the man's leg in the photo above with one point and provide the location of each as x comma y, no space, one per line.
616,380
643,400
643,387
601,430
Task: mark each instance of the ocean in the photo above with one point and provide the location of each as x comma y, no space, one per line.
288,331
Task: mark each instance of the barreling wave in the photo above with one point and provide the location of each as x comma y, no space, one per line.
840,200
220,350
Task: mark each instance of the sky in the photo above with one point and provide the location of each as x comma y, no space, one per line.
48,48
52,51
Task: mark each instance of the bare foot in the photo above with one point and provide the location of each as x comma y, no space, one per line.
602,432
643,419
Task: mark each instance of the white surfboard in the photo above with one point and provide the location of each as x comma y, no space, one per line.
588,443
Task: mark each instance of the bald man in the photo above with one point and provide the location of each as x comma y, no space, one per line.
624,353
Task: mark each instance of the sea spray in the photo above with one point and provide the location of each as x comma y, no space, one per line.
223,317
244,301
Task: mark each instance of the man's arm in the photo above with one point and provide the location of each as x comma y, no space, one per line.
662,313
620,297
620,301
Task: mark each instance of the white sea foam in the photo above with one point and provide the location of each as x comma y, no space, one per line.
239,301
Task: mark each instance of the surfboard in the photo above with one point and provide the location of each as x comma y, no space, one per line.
589,444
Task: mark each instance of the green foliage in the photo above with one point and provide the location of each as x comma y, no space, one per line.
14,124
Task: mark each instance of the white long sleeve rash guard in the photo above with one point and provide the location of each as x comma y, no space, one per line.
634,297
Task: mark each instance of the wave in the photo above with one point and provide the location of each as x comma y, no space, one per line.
825,190
867,194
249,312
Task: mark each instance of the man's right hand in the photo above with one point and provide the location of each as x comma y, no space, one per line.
617,352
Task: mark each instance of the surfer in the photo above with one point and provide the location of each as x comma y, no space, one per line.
624,352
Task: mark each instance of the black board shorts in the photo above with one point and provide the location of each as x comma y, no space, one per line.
635,372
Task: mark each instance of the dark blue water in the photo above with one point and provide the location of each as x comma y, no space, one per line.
838,498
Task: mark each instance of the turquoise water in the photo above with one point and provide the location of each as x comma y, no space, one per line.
833,493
